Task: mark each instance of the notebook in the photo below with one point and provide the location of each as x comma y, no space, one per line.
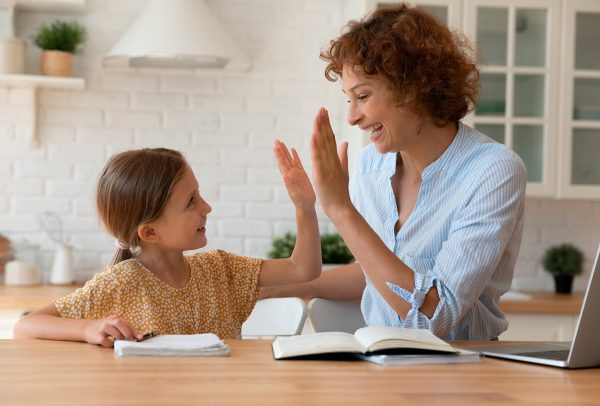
582,352
193,345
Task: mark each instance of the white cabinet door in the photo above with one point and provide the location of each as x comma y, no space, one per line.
580,108
8,319
516,45
540,84
539,327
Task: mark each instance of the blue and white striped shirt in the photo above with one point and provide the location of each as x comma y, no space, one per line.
462,238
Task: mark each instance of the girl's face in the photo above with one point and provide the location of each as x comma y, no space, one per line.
390,127
182,225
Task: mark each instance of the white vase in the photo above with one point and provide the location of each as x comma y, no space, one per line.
62,267
12,56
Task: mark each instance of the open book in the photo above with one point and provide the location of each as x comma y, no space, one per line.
193,345
369,340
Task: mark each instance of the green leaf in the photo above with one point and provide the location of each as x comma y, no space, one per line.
61,36
565,259
333,248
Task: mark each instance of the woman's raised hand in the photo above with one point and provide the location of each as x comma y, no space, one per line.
294,176
330,165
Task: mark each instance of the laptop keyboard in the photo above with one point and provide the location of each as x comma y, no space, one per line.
559,355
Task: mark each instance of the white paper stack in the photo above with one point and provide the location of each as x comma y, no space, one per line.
193,345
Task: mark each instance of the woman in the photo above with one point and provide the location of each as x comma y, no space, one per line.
434,211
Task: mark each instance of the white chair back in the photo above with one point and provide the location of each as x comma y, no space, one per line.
284,316
335,315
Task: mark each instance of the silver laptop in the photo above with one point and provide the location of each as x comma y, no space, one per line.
583,351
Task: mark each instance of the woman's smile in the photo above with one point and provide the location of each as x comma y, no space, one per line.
374,132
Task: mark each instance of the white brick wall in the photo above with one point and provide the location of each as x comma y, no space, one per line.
225,123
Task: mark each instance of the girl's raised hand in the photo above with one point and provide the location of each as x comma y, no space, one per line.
100,331
294,176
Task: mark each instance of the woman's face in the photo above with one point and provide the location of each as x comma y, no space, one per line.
390,127
182,225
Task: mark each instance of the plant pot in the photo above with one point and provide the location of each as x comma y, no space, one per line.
57,63
563,283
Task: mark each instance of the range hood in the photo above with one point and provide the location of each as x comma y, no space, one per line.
183,34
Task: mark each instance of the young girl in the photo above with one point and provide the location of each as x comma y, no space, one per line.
149,201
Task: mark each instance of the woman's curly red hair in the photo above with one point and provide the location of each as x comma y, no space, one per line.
430,68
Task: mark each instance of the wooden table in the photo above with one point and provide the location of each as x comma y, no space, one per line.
37,372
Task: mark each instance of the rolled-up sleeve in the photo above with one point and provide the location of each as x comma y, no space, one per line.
477,238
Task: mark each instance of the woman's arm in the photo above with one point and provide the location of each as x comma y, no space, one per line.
305,262
380,264
434,295
46,323
343,283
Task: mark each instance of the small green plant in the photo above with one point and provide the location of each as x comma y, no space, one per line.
333,248
565,259
61,36
282,247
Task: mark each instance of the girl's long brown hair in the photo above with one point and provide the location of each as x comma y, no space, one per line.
133,190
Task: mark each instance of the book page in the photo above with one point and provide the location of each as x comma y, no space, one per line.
462,357
381,337
317,343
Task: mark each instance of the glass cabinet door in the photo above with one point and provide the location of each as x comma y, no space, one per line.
515,43
448,12
580,152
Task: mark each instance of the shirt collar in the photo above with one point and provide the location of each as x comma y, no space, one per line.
389,159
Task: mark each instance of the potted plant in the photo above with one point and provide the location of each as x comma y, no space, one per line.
563,262
333,248
59,42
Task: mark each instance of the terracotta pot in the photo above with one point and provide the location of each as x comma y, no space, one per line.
57,63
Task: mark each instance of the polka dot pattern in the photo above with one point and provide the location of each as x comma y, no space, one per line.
219,297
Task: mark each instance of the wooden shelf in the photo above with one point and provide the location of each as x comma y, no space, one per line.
62,6
39,81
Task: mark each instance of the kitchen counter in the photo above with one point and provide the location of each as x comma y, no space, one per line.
545,303
31,297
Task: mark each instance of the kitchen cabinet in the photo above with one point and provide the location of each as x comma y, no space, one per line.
580,108
542,316
539,327
540,84
8,319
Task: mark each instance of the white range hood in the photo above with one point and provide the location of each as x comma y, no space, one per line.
177,34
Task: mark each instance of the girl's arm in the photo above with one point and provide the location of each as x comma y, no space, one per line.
46,323
305,262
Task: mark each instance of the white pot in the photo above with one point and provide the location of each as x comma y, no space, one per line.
12,56
62,267
19,273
